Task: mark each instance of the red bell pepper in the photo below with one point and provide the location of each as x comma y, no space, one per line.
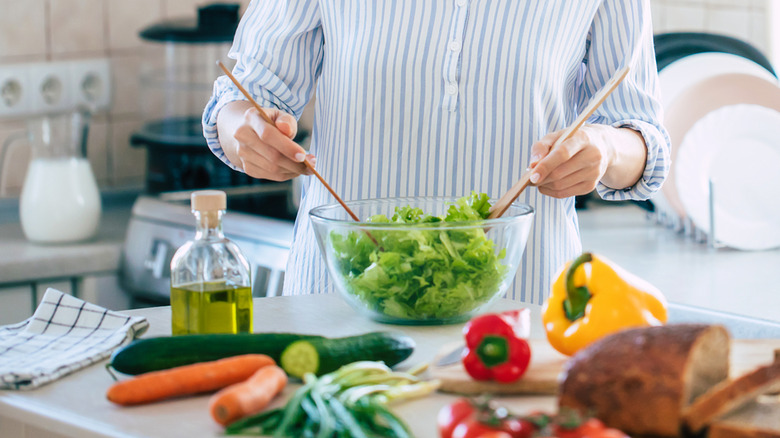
496,348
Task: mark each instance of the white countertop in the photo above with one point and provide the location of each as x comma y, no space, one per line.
23,261
75,406
687,272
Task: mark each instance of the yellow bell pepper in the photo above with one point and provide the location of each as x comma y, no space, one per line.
592,297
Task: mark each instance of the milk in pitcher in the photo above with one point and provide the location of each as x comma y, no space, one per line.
60,200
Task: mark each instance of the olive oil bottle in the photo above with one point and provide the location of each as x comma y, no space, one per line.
211,289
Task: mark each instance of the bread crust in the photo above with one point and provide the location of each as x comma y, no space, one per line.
639,380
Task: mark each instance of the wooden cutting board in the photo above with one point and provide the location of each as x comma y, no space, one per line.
547,365
540,378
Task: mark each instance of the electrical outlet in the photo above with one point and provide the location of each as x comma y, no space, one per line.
43,87
51,87
15,91
90,83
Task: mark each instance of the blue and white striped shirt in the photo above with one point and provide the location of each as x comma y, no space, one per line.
442,97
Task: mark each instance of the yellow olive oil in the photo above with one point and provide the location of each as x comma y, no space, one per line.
211,307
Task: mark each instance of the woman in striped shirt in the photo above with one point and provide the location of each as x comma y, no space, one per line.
442,97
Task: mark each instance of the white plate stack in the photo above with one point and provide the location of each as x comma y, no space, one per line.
723,117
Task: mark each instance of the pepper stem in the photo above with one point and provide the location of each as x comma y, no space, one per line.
493,350
576,297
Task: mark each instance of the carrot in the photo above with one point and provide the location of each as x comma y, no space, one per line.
186,379
248,397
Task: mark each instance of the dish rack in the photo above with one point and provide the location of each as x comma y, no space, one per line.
666,216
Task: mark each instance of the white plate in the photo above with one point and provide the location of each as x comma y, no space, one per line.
737,147
699,100
686,72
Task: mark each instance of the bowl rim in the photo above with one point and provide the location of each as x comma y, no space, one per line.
315,214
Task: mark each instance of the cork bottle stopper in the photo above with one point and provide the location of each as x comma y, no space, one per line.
208,200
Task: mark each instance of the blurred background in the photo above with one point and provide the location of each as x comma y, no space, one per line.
59,30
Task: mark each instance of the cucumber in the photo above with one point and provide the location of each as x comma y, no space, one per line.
159,353
321,356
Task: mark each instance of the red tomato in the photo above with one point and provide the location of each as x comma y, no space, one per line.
472,428
518,428
453,414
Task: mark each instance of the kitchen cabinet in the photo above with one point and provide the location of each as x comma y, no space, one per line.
18,302
103,290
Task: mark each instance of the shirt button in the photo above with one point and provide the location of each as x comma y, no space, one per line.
455,46
460,3
451,89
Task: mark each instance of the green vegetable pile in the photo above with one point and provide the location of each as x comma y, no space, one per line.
349,402
426,273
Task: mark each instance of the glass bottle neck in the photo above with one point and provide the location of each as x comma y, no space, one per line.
209,225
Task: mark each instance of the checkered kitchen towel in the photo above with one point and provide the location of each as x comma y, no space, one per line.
64,335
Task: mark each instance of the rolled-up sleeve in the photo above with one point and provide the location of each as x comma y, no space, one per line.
621,33
278,50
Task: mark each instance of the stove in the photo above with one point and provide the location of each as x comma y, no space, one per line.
259,219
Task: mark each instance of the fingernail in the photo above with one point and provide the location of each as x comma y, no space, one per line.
534,178
300,156
535,158
313,161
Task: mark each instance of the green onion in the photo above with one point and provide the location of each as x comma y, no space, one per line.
349,402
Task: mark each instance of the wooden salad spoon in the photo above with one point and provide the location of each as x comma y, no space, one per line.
503,203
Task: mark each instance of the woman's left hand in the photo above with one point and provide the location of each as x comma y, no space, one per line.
588,157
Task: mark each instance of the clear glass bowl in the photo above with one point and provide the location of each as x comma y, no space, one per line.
422,273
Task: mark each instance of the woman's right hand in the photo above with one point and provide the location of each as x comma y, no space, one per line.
258,148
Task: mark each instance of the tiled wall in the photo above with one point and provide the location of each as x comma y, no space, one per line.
55,30
51,30
744,19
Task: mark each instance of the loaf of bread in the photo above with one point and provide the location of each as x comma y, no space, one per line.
639,380
729,396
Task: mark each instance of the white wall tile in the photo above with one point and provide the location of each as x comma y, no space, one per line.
658,11
127,18
128,164
759,32
77,26
733,22
773,31
682,17
181,8
125,69
22,28
189,8
734,3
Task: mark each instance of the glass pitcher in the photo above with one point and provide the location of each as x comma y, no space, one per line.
60,200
